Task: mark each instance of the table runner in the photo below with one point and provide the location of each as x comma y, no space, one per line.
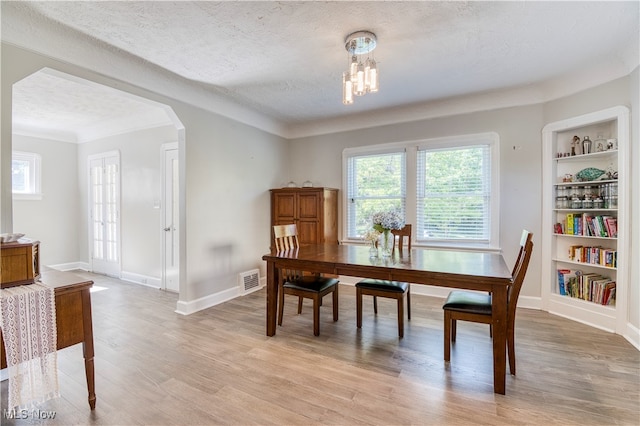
28,323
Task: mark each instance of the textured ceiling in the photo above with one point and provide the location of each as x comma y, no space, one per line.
284,60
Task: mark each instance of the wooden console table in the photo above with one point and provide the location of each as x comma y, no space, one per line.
73,319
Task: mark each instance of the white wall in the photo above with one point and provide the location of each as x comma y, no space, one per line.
634,282
53,220
140,183
319,159
230,168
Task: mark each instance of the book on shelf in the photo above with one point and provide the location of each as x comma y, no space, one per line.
611,223
563,281
591,287
589,228
569,224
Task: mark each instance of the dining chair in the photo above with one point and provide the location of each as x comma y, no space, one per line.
294,282
476,307
385,288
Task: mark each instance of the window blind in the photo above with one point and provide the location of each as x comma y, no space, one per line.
375,182
454,194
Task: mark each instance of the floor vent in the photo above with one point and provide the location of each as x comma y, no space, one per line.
249,281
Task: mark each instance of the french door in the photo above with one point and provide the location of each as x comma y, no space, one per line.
104,213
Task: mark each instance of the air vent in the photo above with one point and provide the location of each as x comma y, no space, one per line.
249,281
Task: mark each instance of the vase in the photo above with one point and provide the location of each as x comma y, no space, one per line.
373,249
386,243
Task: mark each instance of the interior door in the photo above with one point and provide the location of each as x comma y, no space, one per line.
104,213
170,214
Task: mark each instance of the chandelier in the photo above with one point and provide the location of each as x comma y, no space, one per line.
362,76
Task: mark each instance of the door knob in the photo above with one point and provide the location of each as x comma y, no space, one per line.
167,229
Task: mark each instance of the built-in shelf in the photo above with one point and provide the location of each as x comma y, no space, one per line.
557,248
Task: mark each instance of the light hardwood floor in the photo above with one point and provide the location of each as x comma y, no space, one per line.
217,366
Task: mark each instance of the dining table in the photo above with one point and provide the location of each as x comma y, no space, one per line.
456,269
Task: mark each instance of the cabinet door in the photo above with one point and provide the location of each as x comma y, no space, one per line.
308,219
309,206
308,231
284,206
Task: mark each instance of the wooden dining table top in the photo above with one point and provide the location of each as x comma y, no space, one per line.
471,270
449,268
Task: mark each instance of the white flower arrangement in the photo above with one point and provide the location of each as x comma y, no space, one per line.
371,235
386,221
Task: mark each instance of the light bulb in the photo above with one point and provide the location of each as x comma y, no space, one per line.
373,76
359,88
347,89
353,69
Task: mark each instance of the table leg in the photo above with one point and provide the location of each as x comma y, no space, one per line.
87,346
499,310
272,298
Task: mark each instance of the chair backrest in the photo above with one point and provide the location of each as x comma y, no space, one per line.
519,272
285,237
401,234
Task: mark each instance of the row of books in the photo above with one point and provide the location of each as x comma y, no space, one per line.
591,287
594,255
587,225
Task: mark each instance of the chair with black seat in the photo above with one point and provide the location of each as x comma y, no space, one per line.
293,282
385,288
476,307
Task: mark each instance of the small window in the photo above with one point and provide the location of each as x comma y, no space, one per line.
25,175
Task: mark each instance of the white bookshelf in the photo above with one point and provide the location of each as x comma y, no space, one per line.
612,123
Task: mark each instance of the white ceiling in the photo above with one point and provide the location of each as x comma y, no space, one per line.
278,65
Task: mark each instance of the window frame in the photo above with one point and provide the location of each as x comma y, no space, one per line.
35,175
411,191
347,154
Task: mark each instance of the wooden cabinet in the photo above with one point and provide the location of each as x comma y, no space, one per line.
313,210
20,262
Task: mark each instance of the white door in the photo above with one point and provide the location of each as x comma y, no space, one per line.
104,213
170,215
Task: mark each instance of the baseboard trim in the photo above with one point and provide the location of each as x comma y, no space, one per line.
145,280
633,335
70,266
188,308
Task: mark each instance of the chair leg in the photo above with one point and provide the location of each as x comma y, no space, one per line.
316,315
409,302
335,303
401,316
511,349
447,336
453,329
375,305
358,308
299,305
280,305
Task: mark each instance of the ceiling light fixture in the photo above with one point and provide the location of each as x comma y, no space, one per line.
362,76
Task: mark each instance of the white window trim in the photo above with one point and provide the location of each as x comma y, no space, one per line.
36,163
411,149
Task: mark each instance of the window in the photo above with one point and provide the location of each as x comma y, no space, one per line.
25,175
451,196
375,182
454,194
